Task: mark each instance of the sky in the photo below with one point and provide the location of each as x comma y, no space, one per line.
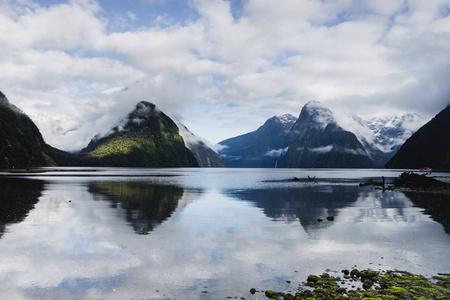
221,67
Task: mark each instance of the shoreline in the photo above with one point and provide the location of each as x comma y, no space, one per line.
389,284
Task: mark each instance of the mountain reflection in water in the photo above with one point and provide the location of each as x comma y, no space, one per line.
206,234
143,205
313,203
307,204
16,201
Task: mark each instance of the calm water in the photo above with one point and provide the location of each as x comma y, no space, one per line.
206,233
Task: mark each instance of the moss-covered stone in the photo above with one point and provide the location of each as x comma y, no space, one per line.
367,284
377,285
271,294
313,278
355,273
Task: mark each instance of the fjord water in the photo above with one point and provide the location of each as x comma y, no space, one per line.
207,233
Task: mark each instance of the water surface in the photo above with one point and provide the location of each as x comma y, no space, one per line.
206,233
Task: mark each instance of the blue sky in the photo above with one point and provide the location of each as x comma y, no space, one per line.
222,67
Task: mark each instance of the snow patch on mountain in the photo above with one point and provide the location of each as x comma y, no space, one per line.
286,120
322,116
386,134
389,133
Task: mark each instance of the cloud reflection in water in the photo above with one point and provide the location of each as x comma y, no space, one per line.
215,240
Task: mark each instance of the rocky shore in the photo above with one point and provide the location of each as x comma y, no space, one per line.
371,285
411,181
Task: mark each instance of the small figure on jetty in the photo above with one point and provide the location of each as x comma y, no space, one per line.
311,178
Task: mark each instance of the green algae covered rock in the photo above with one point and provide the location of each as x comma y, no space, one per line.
376,285
271,294
313,278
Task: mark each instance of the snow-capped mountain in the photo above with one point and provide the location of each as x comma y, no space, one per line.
317,141
314,140
391,132
382,137
427,147
260,148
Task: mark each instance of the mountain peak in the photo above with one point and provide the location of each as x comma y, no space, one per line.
146,137
315,115
143,110
317,141
286,118
286,121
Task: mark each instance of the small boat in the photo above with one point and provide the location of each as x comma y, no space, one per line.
426,170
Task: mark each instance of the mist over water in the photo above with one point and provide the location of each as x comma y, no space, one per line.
206,233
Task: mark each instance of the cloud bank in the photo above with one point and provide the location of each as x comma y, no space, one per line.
221,67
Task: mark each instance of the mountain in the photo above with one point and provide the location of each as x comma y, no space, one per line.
21,142
390,133
206,157
382,137
261,148
317,141
428,147
145,138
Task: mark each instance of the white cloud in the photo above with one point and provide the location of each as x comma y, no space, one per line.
324,149
276,152
131,15
271,58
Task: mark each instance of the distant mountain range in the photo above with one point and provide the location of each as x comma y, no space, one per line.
146,137
316,140
428,147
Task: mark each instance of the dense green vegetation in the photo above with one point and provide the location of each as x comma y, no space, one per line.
148,138
21,143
